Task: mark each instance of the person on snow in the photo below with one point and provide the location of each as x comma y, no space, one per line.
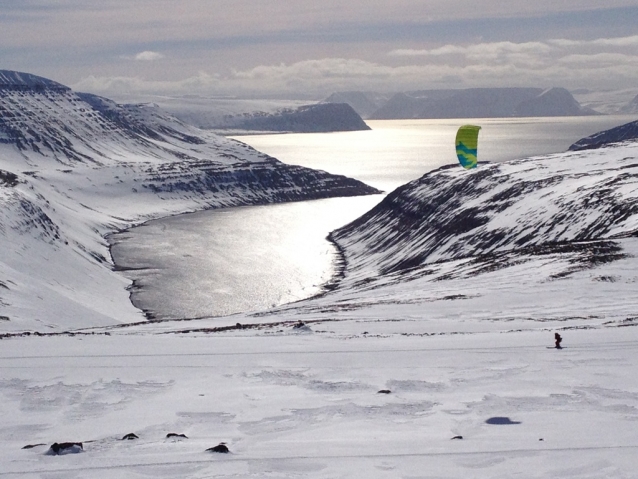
558,339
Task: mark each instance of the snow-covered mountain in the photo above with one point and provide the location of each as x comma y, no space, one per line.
74,167
622,133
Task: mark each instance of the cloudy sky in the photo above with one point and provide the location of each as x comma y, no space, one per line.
315,47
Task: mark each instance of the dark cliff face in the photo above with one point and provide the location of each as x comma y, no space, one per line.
626,132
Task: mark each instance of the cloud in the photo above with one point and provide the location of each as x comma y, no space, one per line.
148,56
145,56
606,63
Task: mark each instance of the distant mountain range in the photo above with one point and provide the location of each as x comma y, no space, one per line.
468,103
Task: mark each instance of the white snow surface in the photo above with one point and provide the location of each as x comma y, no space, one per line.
452,309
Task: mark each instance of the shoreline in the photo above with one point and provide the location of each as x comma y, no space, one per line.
336,271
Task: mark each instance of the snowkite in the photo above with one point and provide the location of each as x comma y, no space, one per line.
467,145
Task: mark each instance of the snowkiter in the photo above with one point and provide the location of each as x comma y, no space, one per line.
558,339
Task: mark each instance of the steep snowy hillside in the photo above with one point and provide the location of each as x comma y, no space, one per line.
523,205
74,167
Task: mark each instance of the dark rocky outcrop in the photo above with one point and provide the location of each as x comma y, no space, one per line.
61,448
174,434
501,421
31,446
130,436
8,179
220,448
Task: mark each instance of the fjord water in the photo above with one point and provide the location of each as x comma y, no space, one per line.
220,262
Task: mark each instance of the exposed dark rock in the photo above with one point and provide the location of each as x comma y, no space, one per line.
384,391
501,421
130,436
457,437
8,179
173,434
31,446
221,448
65,448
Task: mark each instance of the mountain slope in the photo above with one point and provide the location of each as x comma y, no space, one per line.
626,132
74,167
450,213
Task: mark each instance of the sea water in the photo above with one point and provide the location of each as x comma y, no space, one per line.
220,262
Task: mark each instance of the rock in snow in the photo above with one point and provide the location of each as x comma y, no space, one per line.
59,449
221,448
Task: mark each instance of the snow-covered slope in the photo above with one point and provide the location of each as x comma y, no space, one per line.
523,205
75,167
622,133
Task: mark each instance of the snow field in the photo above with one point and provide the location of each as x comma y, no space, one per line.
306,405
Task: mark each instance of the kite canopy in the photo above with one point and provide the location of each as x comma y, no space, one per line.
466,145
